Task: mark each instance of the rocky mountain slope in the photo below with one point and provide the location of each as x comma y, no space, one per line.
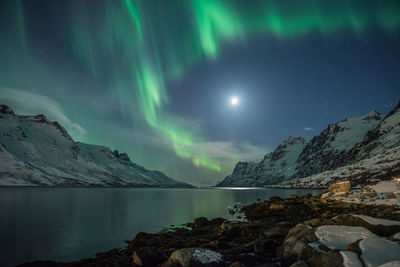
35,151
355,148
376,157
327,150
276,167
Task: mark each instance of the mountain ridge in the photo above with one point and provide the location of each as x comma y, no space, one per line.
347,148
36,151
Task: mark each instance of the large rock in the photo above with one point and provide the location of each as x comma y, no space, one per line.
148,256
340,187
295,246
195,257
377,226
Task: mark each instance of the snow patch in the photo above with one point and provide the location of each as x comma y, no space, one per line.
340,236
350,259
377,251
376,221
397,236
206,256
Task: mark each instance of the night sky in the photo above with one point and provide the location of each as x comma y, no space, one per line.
156,78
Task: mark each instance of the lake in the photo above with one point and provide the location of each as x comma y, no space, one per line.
64,224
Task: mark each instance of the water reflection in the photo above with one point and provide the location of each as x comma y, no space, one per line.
72,223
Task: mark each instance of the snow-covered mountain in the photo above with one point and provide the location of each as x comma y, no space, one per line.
327,150
361,149
376,157
35,151
276,167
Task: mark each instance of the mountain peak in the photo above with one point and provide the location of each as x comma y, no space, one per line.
372,115
292,140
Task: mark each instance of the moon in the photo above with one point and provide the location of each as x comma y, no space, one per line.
234,101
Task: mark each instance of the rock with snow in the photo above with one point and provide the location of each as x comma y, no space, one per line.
375,250
380,167
349,240
350,259
188,257
340,187
380,227
35,151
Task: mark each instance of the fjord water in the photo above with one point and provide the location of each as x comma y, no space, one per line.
64,224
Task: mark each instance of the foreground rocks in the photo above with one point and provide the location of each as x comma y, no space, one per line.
278,232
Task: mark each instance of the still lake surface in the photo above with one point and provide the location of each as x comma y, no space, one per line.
64,224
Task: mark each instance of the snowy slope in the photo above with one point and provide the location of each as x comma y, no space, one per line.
362,149
385,136
327,150
382,166
35,151
376,157
276,167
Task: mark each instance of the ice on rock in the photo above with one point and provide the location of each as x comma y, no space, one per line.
206,256
340,236
350,259
376,221
377,250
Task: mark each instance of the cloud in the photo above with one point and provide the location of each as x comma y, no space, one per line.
243,151
224,152
308,129
28,103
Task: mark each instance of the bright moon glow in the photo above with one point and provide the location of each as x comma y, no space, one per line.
234,101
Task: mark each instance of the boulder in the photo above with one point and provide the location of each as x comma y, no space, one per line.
278,230
143,240
340,187
274,206
299,264
195,257
295,246
237,264
200,222
377,226
148,256
355,247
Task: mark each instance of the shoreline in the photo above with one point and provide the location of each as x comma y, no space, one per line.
258,237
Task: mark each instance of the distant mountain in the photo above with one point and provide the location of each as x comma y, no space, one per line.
276,167
35,151
361,149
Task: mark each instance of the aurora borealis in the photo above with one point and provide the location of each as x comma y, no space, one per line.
122,70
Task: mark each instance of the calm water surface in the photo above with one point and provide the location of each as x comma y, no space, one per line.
73,223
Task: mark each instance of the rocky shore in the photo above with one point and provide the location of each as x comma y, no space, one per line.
297,231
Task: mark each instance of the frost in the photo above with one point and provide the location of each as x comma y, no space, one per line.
206,256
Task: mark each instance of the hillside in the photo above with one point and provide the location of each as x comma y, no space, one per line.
363,149
35,151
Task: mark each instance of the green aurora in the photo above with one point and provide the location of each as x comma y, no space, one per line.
137,47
